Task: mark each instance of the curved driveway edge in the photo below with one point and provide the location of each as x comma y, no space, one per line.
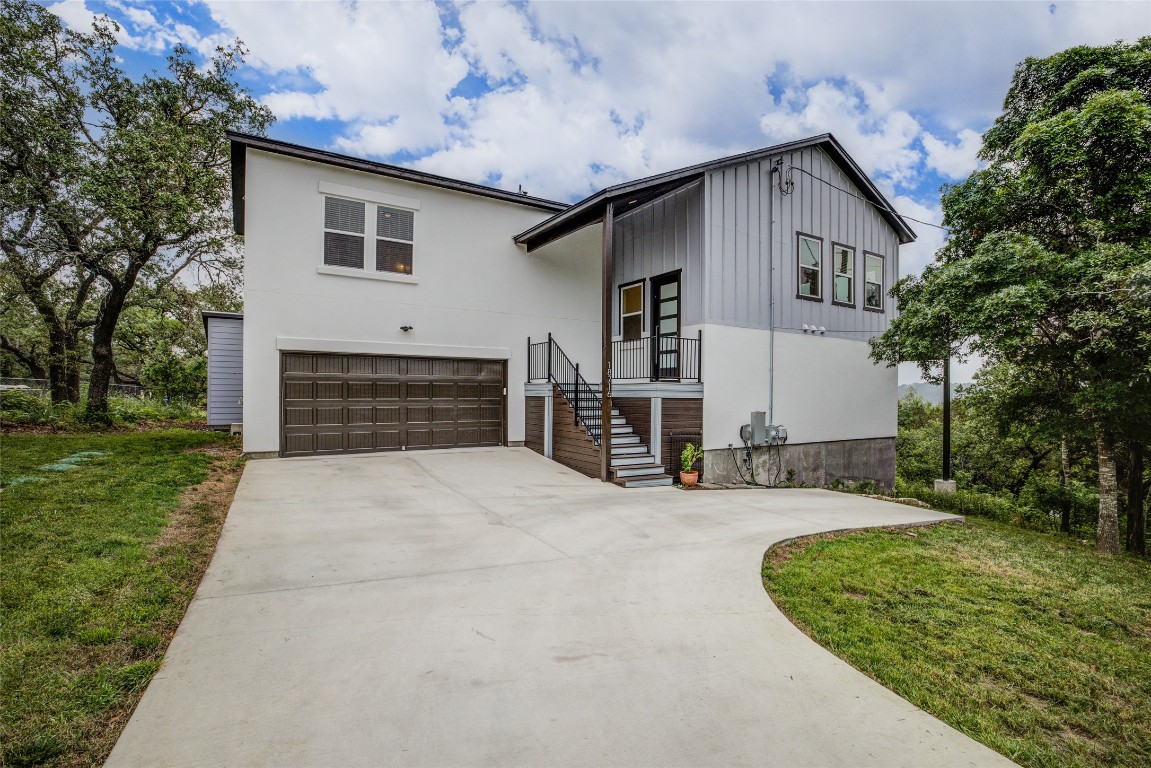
493,608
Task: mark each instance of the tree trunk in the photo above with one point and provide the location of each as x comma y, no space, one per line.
1136,521
1064,477
63,364
1107,532
103,364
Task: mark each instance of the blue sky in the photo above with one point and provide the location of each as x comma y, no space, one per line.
565,98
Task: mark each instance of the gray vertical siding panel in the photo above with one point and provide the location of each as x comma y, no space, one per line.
740,201
225,371
659,237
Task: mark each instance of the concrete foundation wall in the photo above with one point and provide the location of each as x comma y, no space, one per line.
813,464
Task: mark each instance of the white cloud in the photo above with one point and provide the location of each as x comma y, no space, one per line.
567,97
881,142
955,161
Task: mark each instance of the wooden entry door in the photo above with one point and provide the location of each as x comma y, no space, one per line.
665,325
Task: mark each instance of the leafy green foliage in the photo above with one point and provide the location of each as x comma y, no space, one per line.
1047,264
113,187
21,408
1034,646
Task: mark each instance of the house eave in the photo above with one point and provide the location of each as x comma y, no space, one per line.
590,210
241,142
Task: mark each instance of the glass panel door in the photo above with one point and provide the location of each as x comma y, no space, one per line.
665,318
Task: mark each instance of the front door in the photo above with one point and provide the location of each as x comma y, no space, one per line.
665,322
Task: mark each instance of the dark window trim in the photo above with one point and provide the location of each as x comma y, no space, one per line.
822,270
882,308
643,308
658,281
854,293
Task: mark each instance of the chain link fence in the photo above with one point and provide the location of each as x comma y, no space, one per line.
41,387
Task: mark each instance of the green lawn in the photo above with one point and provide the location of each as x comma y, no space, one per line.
95,580
1035,646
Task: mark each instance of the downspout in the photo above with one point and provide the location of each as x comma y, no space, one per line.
771,293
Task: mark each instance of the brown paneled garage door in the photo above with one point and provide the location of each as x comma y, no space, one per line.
362,403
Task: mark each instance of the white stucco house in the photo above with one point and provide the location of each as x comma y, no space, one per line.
389,309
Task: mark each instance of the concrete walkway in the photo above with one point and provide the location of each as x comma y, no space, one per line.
492,608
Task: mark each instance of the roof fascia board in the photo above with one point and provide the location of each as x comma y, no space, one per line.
380,169
542,233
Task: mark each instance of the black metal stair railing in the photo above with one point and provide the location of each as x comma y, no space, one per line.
547,362
657,358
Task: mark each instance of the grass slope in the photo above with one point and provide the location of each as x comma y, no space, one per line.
1036,647
99,564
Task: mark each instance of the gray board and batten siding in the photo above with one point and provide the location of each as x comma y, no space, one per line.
741,203
658,237
225,331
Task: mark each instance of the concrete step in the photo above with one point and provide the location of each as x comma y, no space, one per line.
593,418
644,459
638,469
644,482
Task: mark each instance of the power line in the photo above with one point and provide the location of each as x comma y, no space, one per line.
849,193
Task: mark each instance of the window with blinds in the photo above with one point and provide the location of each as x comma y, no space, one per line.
395,232
843,279
343,233
346,236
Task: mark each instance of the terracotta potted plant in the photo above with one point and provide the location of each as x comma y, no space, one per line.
687,459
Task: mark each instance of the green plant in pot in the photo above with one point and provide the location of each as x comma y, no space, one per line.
687,459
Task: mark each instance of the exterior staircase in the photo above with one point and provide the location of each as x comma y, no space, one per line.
633,465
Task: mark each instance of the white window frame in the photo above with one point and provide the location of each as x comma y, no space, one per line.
836,248
347,232
372,201
882,267
799,267
640,286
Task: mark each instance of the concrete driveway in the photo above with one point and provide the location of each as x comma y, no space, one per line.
493,608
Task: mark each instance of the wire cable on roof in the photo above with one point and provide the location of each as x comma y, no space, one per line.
849,193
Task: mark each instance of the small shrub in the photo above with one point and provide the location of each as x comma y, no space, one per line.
690,455
971,503
18,406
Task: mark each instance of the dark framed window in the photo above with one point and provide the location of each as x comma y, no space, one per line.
631,311
873,282
843,275
809,266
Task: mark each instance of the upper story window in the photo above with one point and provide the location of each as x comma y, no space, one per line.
346,237
810,266
873,282
394,234
343,233
843,277
631,311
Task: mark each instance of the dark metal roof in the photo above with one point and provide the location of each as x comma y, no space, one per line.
242,141
633,193
207,313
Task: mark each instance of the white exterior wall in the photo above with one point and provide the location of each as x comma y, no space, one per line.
478,294
825,388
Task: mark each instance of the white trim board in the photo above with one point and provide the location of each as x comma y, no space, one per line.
359,347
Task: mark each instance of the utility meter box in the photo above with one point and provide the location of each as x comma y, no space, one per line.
758,428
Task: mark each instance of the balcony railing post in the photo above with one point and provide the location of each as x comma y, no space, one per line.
549,356
652,357
577,393
699,358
